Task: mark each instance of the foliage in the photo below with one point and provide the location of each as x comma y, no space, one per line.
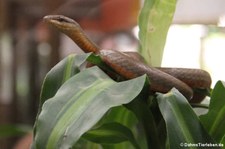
88,106
84,98
182,123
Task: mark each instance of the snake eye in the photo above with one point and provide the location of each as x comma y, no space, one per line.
63,19
59,19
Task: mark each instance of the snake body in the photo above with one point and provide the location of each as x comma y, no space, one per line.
128,66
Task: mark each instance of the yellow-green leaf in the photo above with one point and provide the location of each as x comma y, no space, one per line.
154,21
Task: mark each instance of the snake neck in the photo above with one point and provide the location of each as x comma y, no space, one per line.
79,37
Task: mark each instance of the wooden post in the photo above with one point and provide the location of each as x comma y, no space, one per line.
5,109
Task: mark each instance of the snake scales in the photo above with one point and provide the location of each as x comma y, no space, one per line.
128,66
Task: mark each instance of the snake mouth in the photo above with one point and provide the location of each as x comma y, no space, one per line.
58,19
65,24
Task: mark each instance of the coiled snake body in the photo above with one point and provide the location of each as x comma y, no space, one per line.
162,79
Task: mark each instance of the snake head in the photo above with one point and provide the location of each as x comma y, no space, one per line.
73,30
61,22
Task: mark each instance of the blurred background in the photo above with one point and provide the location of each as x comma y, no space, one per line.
29,48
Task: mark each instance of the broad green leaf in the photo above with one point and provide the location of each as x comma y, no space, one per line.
125,117
111,133
214,120
78,105
182,124
154,21
9,130
61,72
64,70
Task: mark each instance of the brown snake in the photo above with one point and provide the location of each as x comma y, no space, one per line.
126,65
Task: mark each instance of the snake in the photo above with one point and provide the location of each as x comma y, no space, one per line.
129,66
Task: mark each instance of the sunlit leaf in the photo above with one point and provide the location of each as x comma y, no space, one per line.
78,105
214,120
154,21
61,72
182,124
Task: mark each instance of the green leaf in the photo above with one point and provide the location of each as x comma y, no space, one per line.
111,133
145,116
10,130
214,120
154,21
120,115
61,72
125,117
78,105
183,125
